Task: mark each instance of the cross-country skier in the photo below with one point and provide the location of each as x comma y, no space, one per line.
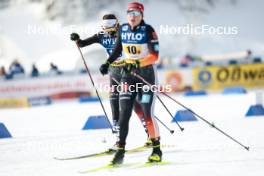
139,43
107,38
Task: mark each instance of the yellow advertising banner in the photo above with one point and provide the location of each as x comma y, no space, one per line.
219,77
13,103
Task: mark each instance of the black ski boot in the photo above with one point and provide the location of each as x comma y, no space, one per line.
119,156
156,155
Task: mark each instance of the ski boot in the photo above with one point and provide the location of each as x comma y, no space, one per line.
119,156
156,155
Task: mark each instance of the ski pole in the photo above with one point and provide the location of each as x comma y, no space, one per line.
171,131
200,117
87,69
181,128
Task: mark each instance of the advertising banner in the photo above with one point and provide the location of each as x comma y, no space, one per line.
49,85
69,85
219,77
13,103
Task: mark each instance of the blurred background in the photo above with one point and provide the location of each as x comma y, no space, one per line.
37,57
48,106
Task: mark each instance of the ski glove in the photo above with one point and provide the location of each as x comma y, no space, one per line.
104,68
131,67
75,37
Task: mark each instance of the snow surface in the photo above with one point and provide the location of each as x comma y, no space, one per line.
41,133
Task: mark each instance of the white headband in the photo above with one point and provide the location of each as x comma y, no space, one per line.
109,23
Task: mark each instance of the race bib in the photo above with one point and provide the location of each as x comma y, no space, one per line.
132,50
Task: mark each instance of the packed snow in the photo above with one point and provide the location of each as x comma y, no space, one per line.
42,133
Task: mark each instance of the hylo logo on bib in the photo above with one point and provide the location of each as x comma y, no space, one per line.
132,36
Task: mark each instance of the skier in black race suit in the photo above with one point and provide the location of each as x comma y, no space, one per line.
139,43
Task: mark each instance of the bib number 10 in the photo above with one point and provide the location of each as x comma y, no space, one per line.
132,49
